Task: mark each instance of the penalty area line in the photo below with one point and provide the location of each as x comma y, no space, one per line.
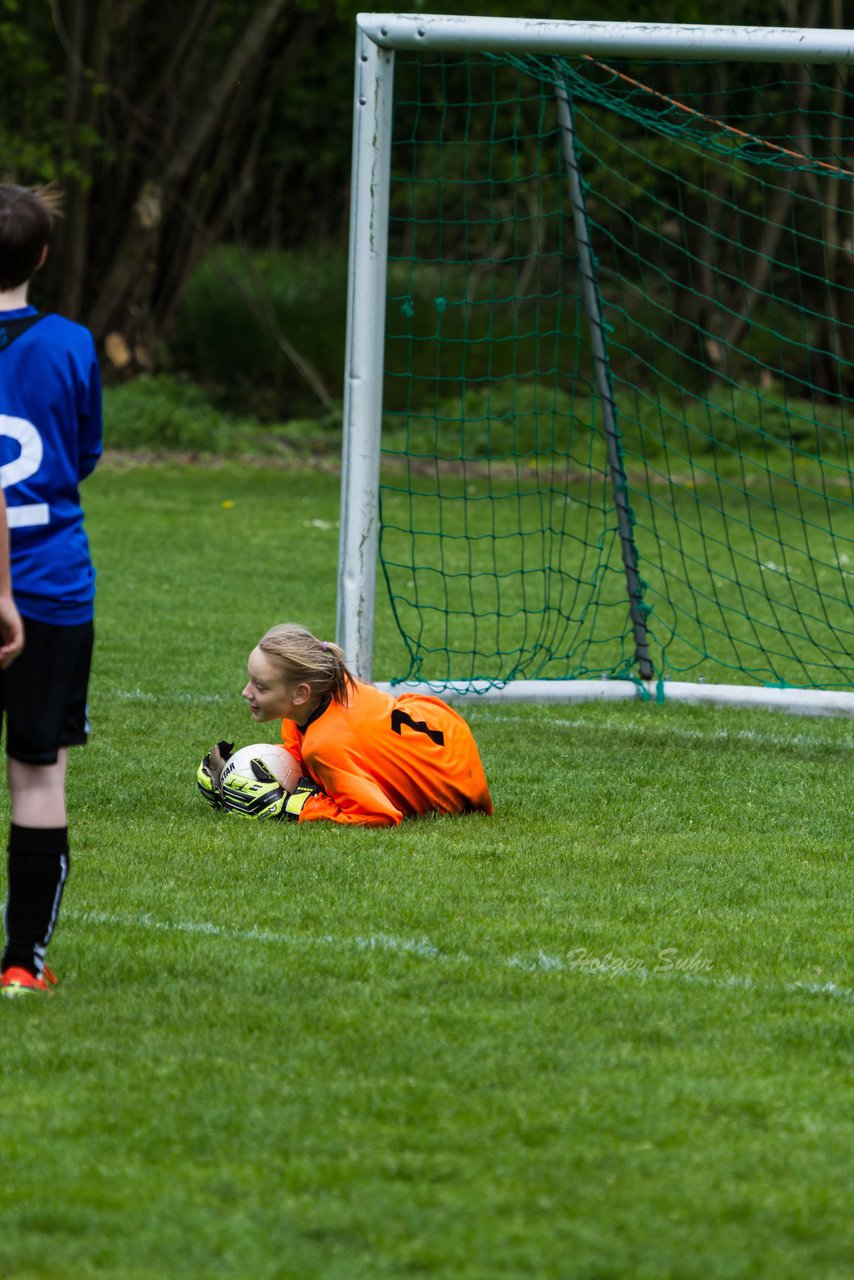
421,948
296,941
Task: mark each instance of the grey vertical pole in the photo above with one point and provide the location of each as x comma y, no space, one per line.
366,303
602,381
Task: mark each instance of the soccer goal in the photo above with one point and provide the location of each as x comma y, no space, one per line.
600,361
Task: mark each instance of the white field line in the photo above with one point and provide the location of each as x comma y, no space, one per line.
670,731
294,941
589,967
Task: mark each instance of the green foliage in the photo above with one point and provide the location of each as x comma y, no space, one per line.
504,420
593,1035
237,308
31,121
165,413
512,419
499,420
136,120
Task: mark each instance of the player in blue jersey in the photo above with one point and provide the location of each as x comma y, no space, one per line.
50,440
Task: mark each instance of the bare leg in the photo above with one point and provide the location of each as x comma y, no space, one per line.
38,792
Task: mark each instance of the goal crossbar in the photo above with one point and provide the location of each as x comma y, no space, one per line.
458,34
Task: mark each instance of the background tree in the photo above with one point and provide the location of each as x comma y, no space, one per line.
164,124
174,126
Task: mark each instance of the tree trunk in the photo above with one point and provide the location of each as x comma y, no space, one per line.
113,307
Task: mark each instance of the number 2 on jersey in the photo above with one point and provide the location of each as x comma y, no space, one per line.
21,468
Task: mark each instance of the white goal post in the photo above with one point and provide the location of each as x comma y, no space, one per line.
379,38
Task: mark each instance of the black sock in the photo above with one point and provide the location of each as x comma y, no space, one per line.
38,868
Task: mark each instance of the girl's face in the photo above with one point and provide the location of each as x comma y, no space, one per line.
269,696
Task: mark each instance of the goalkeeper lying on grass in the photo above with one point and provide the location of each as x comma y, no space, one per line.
367,757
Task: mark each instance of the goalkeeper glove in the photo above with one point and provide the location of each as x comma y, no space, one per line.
305,789
254,795
210,770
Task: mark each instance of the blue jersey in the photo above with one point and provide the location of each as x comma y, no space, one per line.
50,439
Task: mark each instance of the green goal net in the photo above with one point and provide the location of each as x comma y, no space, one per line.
618,369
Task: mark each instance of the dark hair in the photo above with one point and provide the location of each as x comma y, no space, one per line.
299,655
26,223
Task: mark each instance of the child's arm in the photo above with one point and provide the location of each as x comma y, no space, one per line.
354,800
11,627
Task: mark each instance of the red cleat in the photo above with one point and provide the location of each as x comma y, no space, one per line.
20,982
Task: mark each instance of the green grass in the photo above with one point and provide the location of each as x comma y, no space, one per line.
605,1034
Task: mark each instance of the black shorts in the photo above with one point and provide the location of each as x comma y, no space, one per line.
43,693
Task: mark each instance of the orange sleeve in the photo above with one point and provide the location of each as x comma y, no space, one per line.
364,805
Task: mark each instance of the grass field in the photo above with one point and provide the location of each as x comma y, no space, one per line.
604,1035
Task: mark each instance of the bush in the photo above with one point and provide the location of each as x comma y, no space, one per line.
505,419
165,413
227,334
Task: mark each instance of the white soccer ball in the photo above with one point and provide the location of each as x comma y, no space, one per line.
283,766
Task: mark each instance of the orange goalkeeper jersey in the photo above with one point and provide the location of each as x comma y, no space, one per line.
380,759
